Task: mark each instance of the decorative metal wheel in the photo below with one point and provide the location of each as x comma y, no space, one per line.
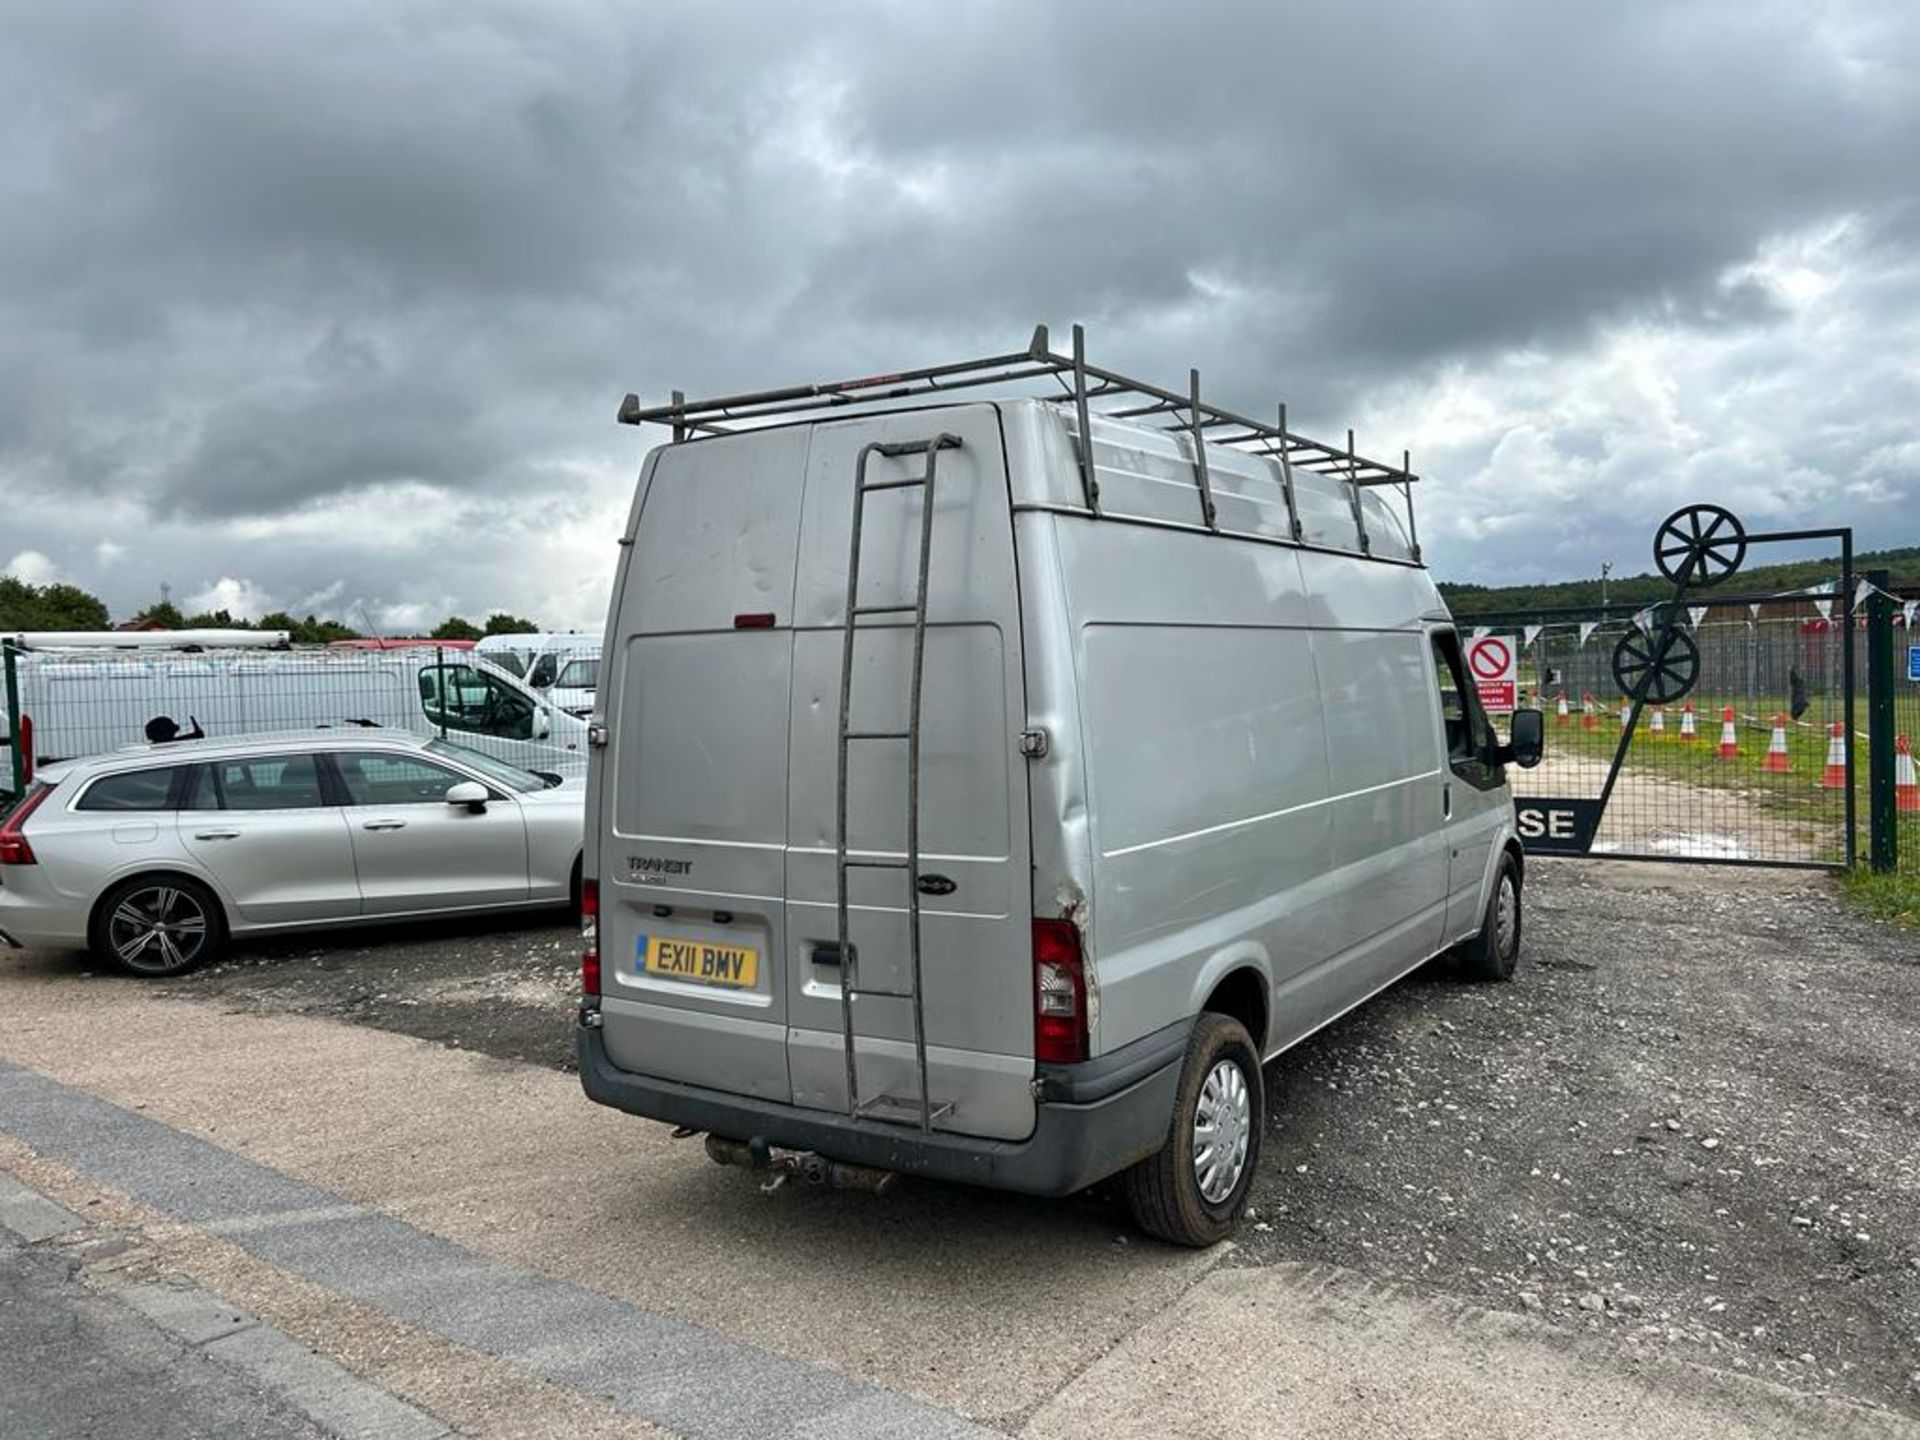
1671,678
158,929
1710,536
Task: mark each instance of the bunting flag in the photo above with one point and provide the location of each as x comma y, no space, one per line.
1825,607
1587,627
1531,633
1753,609
1695,614
1480,632
1906,613
1645,619
1860,594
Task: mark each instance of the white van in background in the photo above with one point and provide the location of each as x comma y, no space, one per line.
90,701
537,658
987,790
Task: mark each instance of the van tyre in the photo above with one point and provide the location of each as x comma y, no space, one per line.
158,925
1495,951
1195,1189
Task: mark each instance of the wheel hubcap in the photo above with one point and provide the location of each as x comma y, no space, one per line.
1222,1131
159,928
1506,917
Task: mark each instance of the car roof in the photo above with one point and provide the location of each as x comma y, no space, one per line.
355,737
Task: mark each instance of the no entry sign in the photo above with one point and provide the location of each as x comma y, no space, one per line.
1491,661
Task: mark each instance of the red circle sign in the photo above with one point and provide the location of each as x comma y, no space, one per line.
1490,658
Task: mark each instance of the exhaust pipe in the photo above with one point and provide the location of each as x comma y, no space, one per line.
818,1170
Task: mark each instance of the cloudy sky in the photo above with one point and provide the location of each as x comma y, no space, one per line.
330,306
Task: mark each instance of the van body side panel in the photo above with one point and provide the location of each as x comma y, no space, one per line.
690,812
1206,760
975,938
1388,806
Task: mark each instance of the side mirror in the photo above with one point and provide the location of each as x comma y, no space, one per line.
1529,739
470,793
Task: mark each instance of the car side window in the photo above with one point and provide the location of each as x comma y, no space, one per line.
375,779
271,782
133,790
458,697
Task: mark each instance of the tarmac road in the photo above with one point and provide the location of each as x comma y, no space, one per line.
471,1235
73,1363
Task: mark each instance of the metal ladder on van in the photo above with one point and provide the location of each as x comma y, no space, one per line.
887,1106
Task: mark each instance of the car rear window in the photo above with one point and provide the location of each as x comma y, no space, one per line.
132,790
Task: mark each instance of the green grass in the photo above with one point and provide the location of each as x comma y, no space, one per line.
1894,898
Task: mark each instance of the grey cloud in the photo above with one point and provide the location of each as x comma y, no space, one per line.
283,254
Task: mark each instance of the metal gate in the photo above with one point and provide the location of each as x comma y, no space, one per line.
1713,726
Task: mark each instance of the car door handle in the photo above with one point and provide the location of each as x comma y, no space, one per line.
384,825
216,834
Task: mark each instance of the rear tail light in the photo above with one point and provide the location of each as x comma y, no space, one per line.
590,937
1059,994
14,849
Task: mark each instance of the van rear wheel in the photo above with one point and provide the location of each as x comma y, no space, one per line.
1194,1191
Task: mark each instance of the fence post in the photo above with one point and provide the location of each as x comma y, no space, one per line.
1883,819
19,767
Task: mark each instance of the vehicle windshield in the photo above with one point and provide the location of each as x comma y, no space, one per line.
510,776
579,675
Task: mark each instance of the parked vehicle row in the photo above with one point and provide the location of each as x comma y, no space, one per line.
89,702
155,856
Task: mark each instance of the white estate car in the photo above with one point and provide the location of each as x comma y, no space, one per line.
154,855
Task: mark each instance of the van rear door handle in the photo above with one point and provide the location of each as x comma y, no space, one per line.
216,834
384,825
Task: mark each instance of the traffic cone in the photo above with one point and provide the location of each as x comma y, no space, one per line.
1835,775
1659,724
1687,730
1729,737
1906,790
1587,722
1777,747
1562,709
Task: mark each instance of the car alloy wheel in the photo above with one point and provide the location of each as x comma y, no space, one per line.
158,929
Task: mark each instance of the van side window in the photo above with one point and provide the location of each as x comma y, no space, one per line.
460,697
1469,736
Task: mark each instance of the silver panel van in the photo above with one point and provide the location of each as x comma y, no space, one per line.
986,789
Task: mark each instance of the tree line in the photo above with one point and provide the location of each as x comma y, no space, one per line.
59,606
1636,590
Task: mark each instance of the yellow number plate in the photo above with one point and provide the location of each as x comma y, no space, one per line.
702,962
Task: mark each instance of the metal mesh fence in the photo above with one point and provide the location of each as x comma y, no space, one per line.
80,702
1906,728
1753,765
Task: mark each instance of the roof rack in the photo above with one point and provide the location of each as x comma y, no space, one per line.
1092,390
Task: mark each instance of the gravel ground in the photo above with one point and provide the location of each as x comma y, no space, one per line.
1693,1122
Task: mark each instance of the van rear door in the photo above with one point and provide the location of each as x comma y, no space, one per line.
976,980
693,782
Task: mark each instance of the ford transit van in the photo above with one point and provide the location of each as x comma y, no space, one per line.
987,790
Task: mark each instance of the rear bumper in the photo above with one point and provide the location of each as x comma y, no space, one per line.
1119,1115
